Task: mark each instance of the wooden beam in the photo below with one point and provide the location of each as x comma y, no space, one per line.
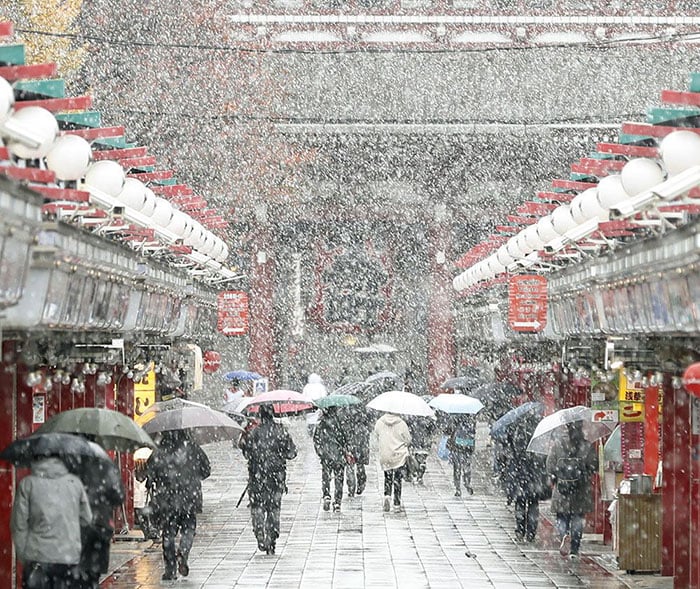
647,130
58,104
629,150
30,174
98,133
684,98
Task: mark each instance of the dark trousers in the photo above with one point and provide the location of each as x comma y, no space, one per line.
265,512
462,468
527,517
185,523
36,575
356,477
392,481
571,523
338,474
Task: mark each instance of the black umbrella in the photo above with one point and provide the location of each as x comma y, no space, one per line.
463,383
24,451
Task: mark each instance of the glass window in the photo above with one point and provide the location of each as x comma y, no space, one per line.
14,255
55,295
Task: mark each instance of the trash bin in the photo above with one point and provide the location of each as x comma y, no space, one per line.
639,532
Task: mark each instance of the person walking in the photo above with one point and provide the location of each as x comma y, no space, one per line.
176,470
105,491
422,432
461,443
333,450
527,477
358,426
393,440
313,390
49,508
572,462
267,448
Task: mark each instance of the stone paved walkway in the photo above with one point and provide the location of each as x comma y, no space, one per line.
439,541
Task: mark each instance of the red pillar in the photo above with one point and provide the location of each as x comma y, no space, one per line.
440,328
125,405
261,355
8,394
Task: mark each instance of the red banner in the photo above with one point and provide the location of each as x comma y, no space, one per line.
527,302
232,312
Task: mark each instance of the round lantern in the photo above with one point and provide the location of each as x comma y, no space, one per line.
31,132
679,151
133,195
69,157
611,192
691,379
212,361
107,176
641,174
7,99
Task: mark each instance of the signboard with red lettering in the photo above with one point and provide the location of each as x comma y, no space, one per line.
527,302
232,312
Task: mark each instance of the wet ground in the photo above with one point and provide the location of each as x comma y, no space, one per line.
438,541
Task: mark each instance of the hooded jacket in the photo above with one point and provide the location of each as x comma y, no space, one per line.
394,439
313,390
49,508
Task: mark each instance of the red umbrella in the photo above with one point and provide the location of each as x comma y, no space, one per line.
283,403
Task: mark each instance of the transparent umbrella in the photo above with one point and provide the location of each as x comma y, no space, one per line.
550,427
401,403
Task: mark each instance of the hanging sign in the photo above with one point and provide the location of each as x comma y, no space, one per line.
632,408
145,396
212,361
691,379
527,302
232,312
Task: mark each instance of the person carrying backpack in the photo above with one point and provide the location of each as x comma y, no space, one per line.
572,462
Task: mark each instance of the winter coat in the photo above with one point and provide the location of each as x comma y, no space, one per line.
314,390
331,440
394,439
104,489
267,447
177,470
358,427
525,473
48,510
581,501
463,428
422,432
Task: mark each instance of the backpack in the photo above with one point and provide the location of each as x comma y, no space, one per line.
570,473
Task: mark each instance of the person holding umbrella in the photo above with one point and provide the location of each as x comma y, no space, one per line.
48,510
333,448
460,443
572,462
394,440
176,469
359,427
267,447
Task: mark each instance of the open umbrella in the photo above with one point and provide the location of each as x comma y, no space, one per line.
283,403
24,451
111,430
350,388
383,375
336,400
515,416
456,403
550,427
466,383
206,425
242,375
401,403
612,450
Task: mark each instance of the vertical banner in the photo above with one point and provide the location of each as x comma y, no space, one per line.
232,312
144,396
38,410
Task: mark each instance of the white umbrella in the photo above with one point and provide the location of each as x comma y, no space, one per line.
550,428
456,403
401,403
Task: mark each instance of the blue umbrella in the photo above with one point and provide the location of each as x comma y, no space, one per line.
242,375
502,425
456,403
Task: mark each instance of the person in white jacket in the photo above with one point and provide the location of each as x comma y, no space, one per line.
393,439
313,390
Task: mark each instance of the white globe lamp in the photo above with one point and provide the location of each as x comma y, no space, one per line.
679,151
178,223
641,174
69,157
162,212
106,176
149,202
30,132
545,229
532,238
7,99
133,195
589,206
611,192
503,256
562,221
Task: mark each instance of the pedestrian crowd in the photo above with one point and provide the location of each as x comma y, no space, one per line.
61,518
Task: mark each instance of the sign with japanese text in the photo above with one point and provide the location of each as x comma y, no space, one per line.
232,312
144,396
631,400
527,303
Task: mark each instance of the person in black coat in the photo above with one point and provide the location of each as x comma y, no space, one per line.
267,447
527,477
333,449
358,427
461,441
422,433
176,470
105,491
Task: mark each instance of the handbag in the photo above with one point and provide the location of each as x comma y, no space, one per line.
37,578
443,451
411,463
